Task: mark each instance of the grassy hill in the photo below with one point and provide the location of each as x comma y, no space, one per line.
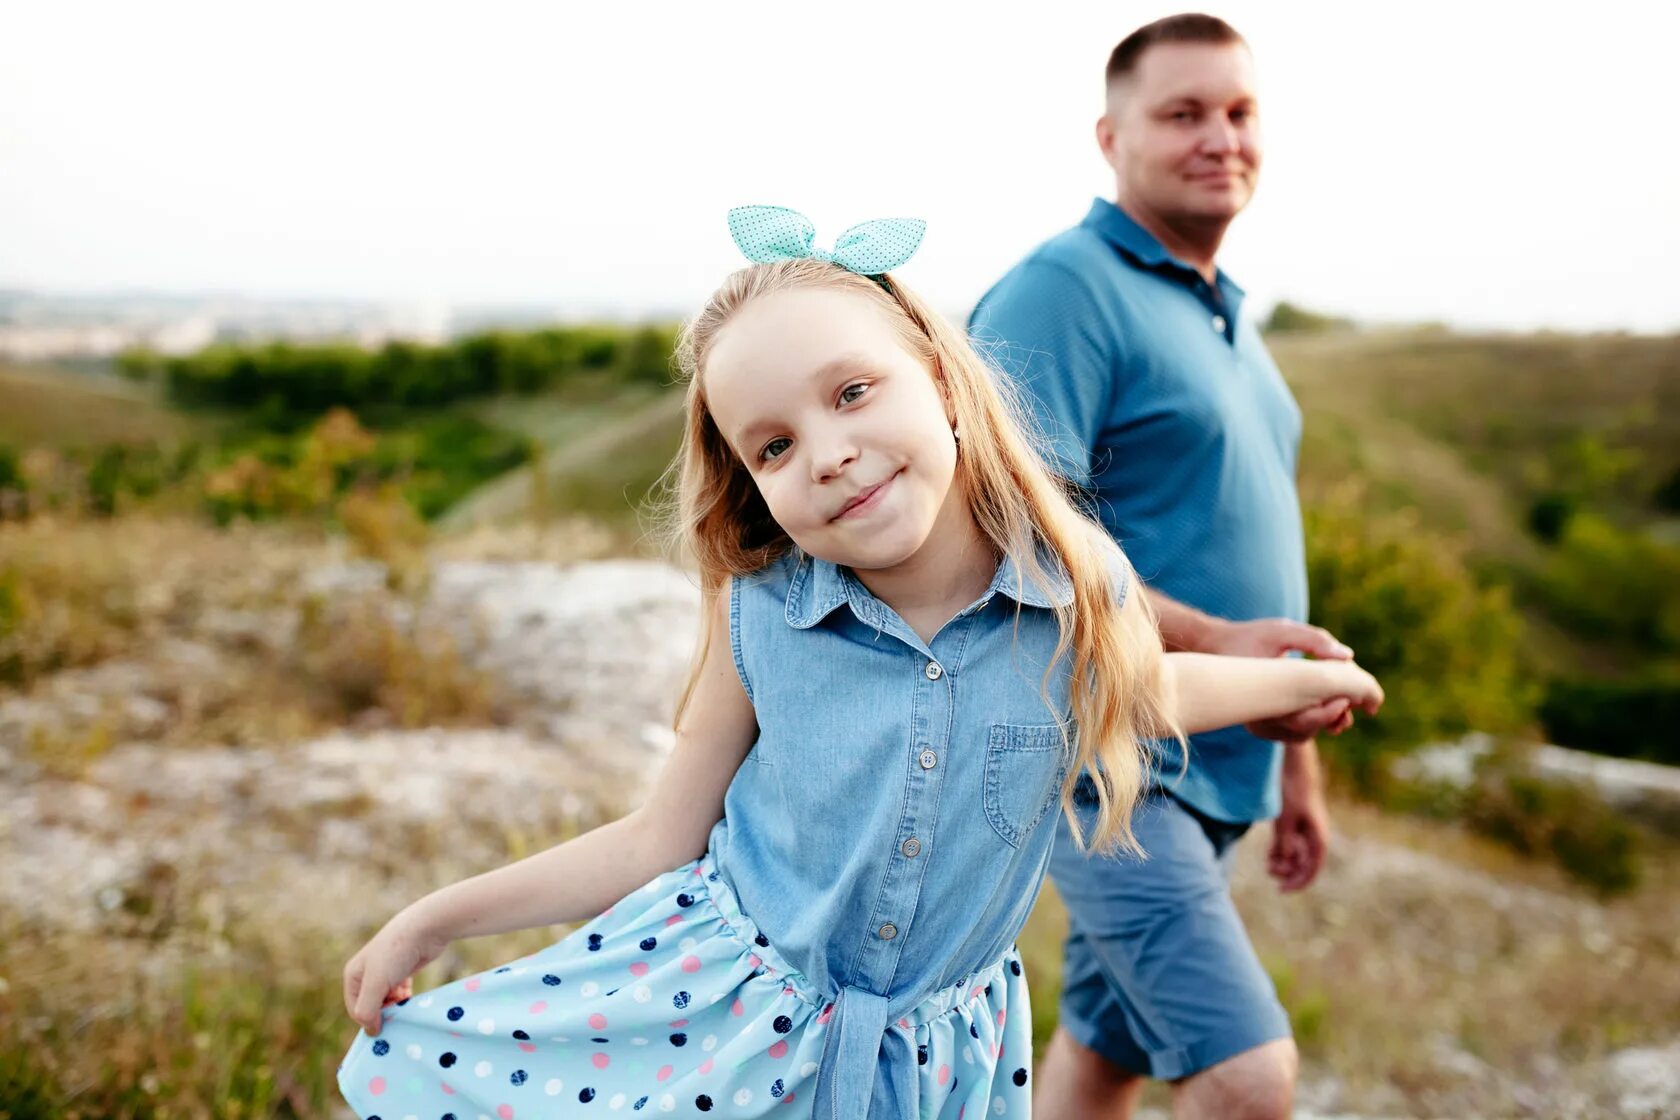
1476,432
48,407
1472,429
1483,436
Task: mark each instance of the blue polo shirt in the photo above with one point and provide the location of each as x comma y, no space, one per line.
1157,396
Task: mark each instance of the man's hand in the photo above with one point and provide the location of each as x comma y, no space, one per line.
1273,637
1301,834
1330,718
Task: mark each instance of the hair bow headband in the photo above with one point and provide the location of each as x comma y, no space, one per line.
774,233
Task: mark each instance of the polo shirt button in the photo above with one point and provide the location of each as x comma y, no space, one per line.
1219,323
911,847
928,760
888,932
934,672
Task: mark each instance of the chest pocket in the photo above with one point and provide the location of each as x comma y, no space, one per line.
1025,766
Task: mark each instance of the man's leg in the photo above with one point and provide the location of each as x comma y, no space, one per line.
1074,1082
1160,977
1258,1084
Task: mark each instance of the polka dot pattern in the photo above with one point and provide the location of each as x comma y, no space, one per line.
728,1030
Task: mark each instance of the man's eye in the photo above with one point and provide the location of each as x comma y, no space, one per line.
774,448
859,386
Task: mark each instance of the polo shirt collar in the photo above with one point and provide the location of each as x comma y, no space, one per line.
1121,230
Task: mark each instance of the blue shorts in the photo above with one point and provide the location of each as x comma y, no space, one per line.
1158,975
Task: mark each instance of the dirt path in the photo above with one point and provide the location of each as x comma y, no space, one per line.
509,495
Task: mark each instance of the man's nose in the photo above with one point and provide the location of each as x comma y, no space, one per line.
1221,137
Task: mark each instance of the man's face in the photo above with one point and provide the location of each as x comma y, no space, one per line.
1183,131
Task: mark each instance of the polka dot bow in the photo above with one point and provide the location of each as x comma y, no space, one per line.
774,233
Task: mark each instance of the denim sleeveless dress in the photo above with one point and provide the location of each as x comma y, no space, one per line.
845,947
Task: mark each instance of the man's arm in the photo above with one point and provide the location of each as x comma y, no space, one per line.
1186,629
1301,833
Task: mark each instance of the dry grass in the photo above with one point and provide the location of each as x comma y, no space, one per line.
1433,973
1428,974
170,630
59,408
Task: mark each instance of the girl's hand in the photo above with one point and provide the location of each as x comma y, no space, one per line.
1345,680
382,973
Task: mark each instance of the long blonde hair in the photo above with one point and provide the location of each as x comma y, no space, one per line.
722,521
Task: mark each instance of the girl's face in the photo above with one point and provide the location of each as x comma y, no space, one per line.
845,433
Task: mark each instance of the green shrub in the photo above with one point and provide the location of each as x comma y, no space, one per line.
283,384
1667,495
1559,820
1447,650
1549,515
1608,582
1287,316
1639,718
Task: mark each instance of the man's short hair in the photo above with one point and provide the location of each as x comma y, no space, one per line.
1189,27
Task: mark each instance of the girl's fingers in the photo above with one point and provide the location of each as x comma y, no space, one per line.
368,1003
352,987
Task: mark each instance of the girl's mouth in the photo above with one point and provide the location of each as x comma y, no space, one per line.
868,499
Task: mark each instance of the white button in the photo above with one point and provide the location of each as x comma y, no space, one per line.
928,759
888,932
1219,323
934,672
911,847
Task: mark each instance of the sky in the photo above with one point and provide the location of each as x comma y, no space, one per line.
1488,165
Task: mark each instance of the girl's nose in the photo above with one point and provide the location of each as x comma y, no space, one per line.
829,461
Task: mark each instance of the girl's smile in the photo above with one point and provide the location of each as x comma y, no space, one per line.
867,499
843,431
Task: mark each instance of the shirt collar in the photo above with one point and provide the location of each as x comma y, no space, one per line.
819,587
1121,230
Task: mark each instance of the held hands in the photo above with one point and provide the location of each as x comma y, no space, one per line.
1348,683
382,973
1301,834
1274,637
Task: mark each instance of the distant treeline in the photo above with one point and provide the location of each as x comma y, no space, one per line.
307,380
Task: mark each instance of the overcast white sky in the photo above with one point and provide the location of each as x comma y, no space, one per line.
1487,164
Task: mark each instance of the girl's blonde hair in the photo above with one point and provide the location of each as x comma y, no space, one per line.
721,519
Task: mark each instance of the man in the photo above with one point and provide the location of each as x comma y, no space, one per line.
1160,400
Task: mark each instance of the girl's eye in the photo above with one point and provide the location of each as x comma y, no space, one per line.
859,386
774,448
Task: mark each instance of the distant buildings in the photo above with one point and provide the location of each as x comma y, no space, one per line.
42,327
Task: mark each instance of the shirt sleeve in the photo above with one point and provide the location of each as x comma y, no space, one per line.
1042,326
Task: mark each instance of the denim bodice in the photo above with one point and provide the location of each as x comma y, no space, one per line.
891,826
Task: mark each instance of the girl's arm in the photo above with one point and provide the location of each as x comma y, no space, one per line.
583,876
1205,691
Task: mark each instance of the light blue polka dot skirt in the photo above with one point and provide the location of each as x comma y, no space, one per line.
672,1001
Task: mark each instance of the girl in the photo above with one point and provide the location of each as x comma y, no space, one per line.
914,645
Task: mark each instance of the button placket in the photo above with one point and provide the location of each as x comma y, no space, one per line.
900,890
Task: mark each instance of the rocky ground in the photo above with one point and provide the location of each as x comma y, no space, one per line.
149,835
